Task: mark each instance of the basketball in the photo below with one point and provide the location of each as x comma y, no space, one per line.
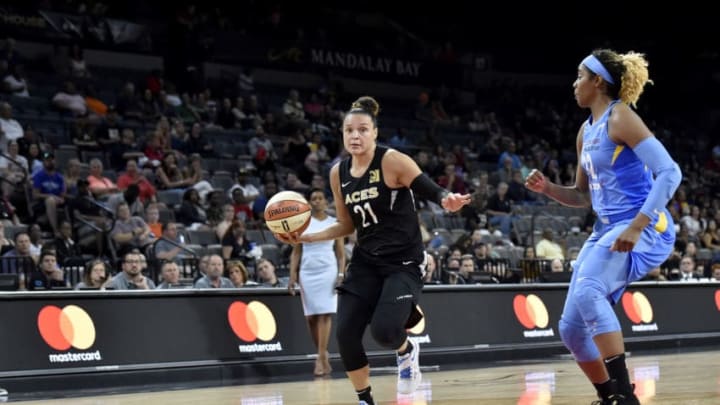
286,212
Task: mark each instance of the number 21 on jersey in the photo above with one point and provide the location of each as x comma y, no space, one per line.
366,213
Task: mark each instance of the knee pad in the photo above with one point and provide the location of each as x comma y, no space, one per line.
595,309
387,334
578,341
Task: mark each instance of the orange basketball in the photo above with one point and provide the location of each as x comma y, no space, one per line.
286,212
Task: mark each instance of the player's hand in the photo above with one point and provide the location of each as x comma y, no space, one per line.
536,181
292,238
454,201
626,241
291,284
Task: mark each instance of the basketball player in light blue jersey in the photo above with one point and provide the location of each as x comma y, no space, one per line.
628,177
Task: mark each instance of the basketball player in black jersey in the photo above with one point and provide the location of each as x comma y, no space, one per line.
375,191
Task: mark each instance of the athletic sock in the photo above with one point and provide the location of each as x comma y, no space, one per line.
617,369
605,389
364,395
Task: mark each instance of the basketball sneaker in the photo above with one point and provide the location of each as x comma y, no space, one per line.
409,375
618,399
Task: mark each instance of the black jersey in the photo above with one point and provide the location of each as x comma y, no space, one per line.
385,218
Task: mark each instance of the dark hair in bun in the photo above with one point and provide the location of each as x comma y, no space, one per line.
366,105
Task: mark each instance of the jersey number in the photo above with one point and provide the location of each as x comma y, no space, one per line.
361,210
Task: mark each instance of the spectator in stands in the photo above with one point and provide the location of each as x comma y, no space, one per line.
547,248
65,246
557,266
293,183
499,208
149,107
238,274
716,272
147,192
228,213
128,103
170,275
214,275
13,168
108,132
100,185
72,175
452,179
49,190
467,267
687,269
628,178
197,142
168,251
431,276
95,276
691,219
131,277
192,214
509,151
258,206
152,218
15,82
267,275
24,261
250,192
236,246
78,67
451,273
48,275
170,176
130,197
129,232
517,192
295,148
69,100
293,110
6,244
710,237
83,136
654,275
10,128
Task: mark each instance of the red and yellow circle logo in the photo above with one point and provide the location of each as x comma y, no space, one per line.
67,327
717,299
252,321
637,307
530,311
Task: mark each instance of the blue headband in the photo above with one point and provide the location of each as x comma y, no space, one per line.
594,65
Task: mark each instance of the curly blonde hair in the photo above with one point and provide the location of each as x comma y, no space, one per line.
632,71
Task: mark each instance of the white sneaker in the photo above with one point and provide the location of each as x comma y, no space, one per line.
409,375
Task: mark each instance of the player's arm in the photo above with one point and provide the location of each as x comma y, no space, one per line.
344,225
626,127
295,256
572,196
401,171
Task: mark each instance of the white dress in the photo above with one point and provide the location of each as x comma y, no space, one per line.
318,272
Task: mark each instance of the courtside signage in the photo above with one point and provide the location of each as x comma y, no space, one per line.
68,328
531,312
639,311
253,322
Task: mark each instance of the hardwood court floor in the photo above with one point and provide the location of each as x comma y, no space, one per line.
691,378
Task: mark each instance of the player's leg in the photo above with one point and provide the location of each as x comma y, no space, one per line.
353,315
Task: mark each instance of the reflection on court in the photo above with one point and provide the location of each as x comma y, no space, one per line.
680,378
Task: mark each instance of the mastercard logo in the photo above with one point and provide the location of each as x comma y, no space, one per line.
420,327
637,307
530,311
68,327
717,299
252,321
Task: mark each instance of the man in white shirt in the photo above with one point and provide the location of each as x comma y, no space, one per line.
547,248
10,128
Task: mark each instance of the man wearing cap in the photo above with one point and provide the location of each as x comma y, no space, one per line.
49,190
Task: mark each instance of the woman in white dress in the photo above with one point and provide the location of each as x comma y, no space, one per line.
318,267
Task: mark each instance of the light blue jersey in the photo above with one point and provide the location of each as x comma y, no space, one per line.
619,182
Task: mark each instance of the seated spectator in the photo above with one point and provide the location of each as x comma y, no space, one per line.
6,244
170,274
169,174
132,175
13,168
65,246
547,248
167,251
214,276
152,218
100,185
129,232
25,261
15,82
557,266
687,269
228,213
83,135
69,100
192,214
267,277
95,276
236,246
131,277
431,276
238,274
500,209
10,128
716,272
654,275
49,190
131,197
48,275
